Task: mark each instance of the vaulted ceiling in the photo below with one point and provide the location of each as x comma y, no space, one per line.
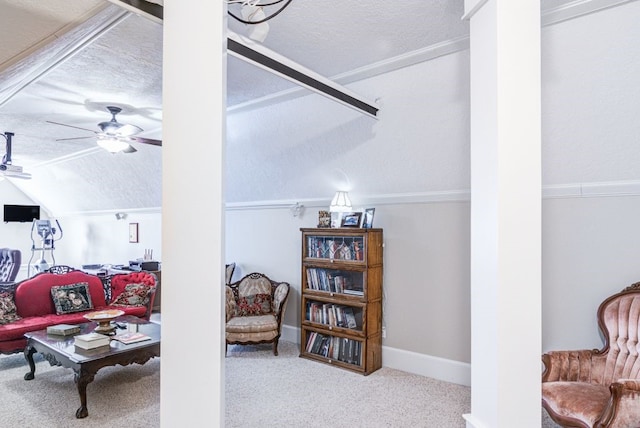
66,60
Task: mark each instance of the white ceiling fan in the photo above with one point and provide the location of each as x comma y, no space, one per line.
113,135
7,168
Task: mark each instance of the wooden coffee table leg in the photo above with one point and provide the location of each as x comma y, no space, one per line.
82,379
28,354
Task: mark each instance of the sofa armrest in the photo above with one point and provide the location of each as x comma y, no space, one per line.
230,303
569,365
622,409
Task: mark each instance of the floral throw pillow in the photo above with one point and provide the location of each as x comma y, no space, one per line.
133,295
71,298
254,304
8,311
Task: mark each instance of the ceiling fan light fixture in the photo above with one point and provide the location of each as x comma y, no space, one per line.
250,13
112,145
109,127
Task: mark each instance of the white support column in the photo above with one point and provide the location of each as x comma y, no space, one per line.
194,115
505,213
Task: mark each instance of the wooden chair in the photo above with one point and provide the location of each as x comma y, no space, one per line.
254,310
599,388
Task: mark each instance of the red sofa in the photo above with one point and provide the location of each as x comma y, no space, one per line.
35,305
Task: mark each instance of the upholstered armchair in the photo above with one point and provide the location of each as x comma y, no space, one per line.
10,260
255,307
136,288
228,272
599,388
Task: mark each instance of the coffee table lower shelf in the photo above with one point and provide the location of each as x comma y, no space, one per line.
60,351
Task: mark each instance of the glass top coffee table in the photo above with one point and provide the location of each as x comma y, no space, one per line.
61,351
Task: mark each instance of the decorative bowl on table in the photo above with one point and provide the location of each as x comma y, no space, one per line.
104,318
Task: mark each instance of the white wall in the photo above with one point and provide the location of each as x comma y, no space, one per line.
418,153
95,239
590,250
86,239
426,269
308,148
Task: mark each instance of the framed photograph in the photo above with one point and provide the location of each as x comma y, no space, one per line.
367,221
324,219
133,232
351,220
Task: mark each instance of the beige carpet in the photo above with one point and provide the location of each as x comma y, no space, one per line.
306,393
261,391
118,397
288,391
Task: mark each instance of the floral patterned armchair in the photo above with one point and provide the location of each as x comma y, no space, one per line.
254,310
599,388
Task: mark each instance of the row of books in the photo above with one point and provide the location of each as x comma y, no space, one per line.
334,315
335,248
332,280
337,348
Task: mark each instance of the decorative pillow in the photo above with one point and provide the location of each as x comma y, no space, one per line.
133,295
71,298
8,312
254,304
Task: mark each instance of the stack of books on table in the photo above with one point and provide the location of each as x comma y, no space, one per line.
131,337
63,329
91,340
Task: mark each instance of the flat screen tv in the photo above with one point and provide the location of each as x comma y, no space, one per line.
21,213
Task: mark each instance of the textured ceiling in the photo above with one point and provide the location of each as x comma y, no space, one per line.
60,62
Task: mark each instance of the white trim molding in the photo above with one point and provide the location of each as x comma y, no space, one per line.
554,191
577,9
471,7
407,361
427,365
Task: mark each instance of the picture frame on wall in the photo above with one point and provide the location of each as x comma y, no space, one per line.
133,232
351,219
367,221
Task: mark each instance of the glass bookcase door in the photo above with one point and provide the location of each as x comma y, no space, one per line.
334,315
336,281
334,348
335,247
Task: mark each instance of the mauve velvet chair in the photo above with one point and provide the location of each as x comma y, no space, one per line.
599,388
10,260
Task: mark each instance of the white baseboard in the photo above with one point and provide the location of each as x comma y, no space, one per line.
472,421
427,365
410,362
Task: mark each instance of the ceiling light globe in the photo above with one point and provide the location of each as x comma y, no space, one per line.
112,145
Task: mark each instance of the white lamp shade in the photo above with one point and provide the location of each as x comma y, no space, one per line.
340,202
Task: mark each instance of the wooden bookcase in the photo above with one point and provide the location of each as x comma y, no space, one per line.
341,307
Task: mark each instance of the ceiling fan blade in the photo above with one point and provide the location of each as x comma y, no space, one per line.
74,138
146,141
22,175
127,130
70,126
